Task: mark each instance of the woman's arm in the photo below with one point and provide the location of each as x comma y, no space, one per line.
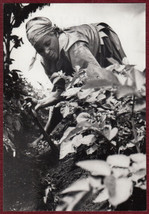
80,55
52,99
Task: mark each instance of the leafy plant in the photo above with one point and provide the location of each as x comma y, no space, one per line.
112,180
108,112
15,85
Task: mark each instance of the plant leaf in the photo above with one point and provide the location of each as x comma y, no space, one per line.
66,148
123,190
84,93
138,157
92,97
72,133
118,160
66,133
125,90
71,92
96,83
120,172
65,111
138,175
96,183
83,117
77,186
139,79
78,200
96,167
91,150
110,133
103,196
88,140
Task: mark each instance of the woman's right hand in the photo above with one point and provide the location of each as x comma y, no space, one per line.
31,100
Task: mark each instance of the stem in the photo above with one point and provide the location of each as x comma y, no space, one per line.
133,127
11,49
54,148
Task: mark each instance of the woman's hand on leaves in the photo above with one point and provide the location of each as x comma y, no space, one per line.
30,102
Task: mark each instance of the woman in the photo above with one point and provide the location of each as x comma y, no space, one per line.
87,46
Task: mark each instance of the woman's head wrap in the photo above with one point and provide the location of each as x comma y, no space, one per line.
37,27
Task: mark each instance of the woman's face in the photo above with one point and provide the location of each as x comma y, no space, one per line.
48,46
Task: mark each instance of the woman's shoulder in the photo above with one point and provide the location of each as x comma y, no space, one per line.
72,35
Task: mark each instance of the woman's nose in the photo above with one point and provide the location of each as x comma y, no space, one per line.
47,50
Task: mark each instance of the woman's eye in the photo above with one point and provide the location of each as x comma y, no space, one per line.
47,43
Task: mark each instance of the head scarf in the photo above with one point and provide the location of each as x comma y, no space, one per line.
37,27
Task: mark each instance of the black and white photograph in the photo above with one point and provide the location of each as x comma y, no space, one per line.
74,107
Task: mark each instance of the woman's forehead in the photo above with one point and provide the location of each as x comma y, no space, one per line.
43,39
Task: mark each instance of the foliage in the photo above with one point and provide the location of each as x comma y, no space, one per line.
14,15
109,112
103,123
15,85
112,180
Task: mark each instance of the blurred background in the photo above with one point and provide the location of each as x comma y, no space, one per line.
128,20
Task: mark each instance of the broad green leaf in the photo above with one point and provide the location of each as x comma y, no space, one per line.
97,83
70,146
66,148
93,96
110,133
83,117
73,203
91,150
138,175
125,90
66,133
118,160
108,79
121,78
73,132
95,183
77,141
120,172
78,200
103,196
71,92
65,111
136,166
141,185
88,140
96,167
109,182
139,79
77,186
85,124
74,104
123,190
84,93
138,157
101,97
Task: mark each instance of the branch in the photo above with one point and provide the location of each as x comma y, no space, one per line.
133,127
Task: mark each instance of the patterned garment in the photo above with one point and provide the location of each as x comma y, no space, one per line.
86,46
